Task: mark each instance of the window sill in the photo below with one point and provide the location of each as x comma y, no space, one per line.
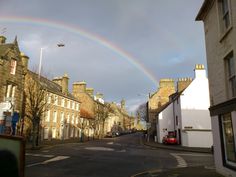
225,33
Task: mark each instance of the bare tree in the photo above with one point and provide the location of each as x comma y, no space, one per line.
141,112
36,104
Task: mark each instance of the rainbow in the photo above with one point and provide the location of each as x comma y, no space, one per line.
84,33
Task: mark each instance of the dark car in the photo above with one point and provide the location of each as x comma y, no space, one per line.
169,139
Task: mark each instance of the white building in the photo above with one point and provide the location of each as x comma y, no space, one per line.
219,18
187,114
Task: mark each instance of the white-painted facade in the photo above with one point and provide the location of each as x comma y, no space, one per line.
188,115
165,122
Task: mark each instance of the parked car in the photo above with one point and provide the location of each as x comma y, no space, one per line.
169,139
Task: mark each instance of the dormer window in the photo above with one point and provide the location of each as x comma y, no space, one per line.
13,67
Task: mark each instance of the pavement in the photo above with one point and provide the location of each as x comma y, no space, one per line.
198,171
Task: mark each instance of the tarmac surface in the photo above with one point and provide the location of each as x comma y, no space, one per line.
200,171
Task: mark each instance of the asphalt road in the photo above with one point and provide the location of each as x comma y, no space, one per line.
122,156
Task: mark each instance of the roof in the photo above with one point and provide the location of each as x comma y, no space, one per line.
6,46
51,86
207,4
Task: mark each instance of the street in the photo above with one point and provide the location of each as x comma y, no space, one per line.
122,156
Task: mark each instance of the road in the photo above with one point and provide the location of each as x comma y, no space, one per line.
122,156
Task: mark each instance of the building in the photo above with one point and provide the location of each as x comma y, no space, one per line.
87,108
61,118
186,115
158,99
219,18
13,67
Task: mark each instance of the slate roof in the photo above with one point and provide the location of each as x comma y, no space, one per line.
51,86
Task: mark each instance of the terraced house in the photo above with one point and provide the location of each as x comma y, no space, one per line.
61,119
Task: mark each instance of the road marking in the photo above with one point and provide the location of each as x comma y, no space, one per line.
48,161
180,160
39,155
193,155
148,172
99,149
110,143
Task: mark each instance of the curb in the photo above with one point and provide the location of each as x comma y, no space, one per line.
177,148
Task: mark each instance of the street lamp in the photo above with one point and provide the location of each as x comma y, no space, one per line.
41,57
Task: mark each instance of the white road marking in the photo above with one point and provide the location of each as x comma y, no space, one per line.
48,161
180,160
110,143
193,155
99,149
39,155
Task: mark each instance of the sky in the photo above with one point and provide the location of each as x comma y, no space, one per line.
121,48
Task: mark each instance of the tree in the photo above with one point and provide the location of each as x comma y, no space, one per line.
141,112
36,104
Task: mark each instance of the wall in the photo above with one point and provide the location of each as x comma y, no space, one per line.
165,121
197,139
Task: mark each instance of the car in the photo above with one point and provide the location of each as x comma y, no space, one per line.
169,139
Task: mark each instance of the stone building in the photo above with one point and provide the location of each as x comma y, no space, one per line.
157,99
87,108
61,119
13,67
219,18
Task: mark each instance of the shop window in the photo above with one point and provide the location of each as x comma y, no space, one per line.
227,131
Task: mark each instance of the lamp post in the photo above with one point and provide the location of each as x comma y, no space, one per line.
41,57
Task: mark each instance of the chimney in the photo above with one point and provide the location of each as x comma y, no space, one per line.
24,60
65,83
57,80
200,71
164,83
99,96
2,39
79,87
183,83
90,91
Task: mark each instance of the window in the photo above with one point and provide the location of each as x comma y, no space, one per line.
48,116
68,119
227,132
56,100
62,117
176,120
10,91
54,132
13,67
62,102
224,14
55,116
72,119
46,131
231,79
77,106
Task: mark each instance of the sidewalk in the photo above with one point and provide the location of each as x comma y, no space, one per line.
199,171
181,172
175,147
